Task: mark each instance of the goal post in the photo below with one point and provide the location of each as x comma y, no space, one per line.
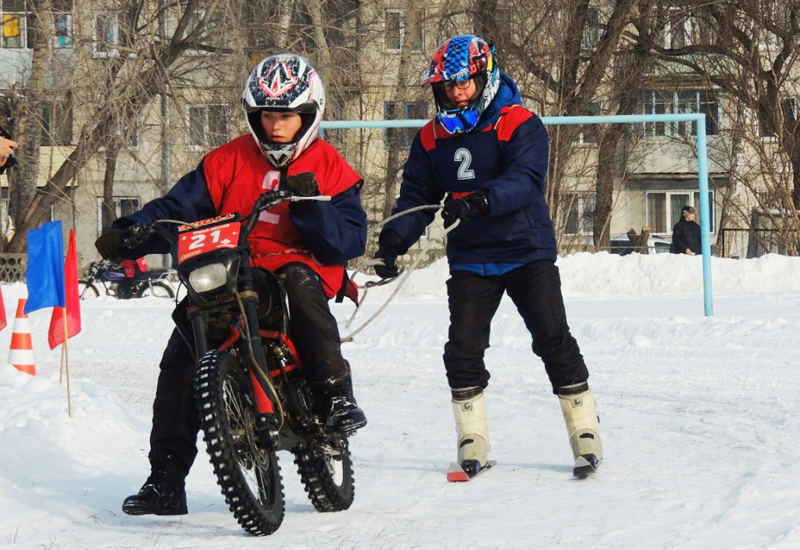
702,164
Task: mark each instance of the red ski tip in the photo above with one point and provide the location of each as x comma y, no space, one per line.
456,473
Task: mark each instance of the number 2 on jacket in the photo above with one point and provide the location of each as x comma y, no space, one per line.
465,158
271,179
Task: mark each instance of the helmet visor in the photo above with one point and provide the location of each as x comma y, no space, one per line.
307,107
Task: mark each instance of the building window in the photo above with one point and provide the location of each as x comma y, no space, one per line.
109,35
133,134
62,23
57,123
208,126
579,213
395,110
767,124
19,24
590,133
123,206
676,29
6,224
591,30
664,209
659,102
395,31
210,31
335,110
129,135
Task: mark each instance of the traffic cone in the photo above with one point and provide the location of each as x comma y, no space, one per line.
21,354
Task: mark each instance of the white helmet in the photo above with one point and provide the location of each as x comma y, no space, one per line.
284,82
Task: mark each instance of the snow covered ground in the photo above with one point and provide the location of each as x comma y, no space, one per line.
699,417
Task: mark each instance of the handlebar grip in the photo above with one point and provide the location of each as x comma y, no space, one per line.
135,235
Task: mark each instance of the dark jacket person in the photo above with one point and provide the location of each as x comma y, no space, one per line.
686,234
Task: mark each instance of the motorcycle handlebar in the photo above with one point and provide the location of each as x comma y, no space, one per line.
136,234
271,199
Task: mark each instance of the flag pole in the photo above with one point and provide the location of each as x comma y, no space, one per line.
61,368
65,356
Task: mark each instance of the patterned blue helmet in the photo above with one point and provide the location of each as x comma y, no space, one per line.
458,59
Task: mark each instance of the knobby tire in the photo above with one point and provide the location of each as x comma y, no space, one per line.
248,475
328,479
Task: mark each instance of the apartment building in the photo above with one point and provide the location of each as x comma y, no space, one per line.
373,55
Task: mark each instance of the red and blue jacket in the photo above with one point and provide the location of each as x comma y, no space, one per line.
506,155
323,235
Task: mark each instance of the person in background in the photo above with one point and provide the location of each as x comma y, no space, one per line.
305,243
686,234
132,269
486,156
7,149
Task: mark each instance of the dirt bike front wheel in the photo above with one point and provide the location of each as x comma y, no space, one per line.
87,290
248,474
158,289
327,474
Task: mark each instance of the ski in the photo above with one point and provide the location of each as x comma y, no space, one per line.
584,468
457,474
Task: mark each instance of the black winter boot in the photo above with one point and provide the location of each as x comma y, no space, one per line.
341,411
163,494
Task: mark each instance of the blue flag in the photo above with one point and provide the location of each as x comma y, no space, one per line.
45,271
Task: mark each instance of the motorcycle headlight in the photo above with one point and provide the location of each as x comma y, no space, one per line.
208,277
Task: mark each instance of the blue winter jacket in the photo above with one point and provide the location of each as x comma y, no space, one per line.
506,154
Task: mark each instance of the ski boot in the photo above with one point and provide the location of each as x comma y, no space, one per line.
471,429
578,406
163,494
339,408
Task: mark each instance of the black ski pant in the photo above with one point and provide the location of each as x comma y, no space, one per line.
535,289
313,331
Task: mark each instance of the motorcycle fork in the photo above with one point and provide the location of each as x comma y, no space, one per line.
252,349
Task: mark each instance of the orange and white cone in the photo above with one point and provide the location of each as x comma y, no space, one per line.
21,354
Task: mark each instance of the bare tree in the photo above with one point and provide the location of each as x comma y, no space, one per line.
633,61
29,108
137,73
750,50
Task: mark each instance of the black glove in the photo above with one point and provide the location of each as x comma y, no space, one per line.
109,244
303,185
389,255
390,246
474,204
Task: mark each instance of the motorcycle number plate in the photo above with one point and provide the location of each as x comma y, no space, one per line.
204,240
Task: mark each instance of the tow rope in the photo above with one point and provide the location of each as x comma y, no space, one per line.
364,263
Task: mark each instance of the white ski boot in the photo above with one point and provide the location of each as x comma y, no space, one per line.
578,406
471,428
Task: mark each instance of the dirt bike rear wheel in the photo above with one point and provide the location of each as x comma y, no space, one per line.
327,474
87,290
248,475
157,289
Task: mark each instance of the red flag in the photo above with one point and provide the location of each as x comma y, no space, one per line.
3,322
55,335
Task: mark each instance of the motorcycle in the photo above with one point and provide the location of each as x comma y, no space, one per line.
105,276
236,317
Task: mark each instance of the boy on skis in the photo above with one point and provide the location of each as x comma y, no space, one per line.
486,155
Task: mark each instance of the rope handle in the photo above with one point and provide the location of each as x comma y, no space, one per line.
405,275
